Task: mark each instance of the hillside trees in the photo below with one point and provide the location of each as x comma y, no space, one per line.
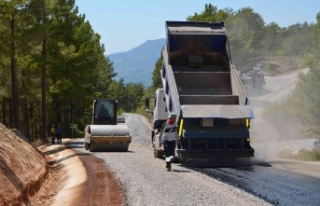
11,18
156,78
40,24
156,83
211,14
295,39
246,34
59,65
272,38
305,99
78,67
129,95
302,105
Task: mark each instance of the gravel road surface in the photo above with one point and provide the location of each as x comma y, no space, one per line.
147,182
266,182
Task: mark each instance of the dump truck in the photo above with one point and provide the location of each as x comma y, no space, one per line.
201,85
105,134
252,77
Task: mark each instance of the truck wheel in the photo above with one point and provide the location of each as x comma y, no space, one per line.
157,153
86,145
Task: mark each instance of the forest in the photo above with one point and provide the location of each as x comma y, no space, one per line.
52,64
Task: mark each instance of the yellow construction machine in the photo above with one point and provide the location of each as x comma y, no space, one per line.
105,134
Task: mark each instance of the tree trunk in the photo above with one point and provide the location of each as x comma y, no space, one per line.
14,80
4,119
66,125
43,90
26,119
43,76
71,118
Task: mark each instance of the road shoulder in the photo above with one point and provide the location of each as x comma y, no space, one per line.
77,178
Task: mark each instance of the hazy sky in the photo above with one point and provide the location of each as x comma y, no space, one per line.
125,24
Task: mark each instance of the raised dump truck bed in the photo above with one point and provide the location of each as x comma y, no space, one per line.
202,87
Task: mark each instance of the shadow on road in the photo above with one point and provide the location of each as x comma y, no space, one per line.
67,157
180,171
56,150
75,144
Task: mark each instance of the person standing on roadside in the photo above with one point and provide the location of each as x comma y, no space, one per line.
169,136
59,133
53,133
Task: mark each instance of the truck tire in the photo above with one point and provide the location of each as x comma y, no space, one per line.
157,153
86,145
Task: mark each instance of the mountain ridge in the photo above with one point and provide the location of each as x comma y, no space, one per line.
137,64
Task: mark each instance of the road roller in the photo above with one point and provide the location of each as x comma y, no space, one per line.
105,134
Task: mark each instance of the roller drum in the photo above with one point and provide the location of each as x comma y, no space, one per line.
107,137
109,130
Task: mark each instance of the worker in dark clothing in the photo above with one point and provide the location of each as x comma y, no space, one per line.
53,133
169,136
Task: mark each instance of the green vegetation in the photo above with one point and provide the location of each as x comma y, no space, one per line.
305,155
52,66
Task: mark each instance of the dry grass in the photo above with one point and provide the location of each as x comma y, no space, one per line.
305,155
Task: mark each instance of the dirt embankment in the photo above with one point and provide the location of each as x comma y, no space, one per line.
23,169
52,175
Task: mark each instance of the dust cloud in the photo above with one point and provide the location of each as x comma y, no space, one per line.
269,137
269,140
